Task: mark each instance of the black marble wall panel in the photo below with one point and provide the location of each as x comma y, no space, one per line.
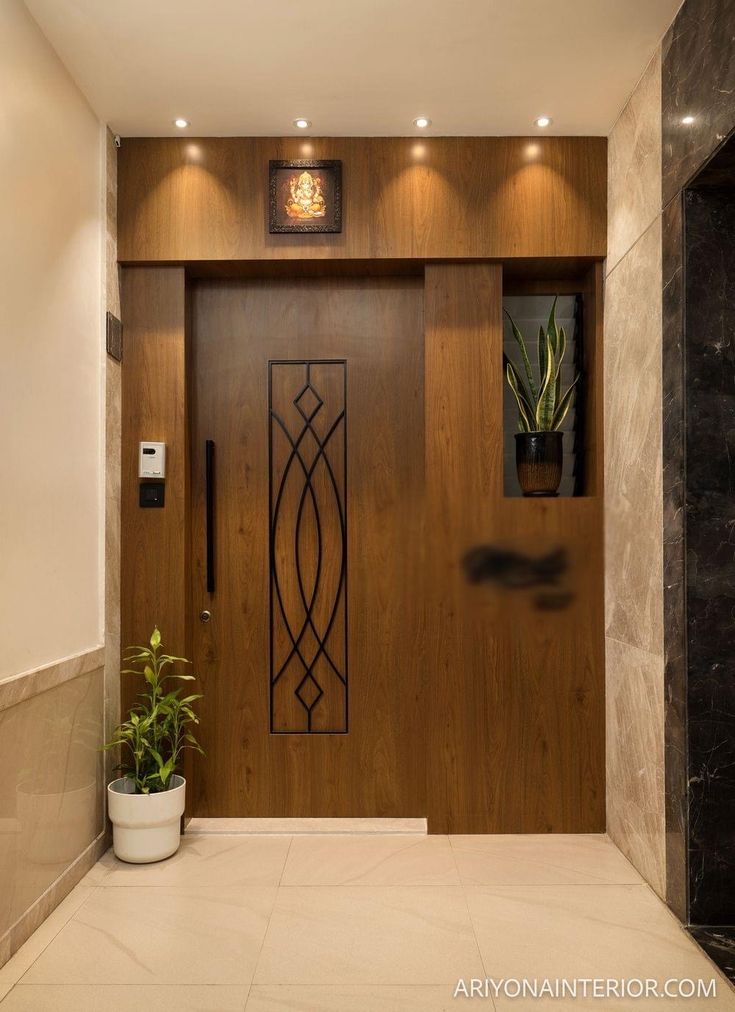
710,540
675,660
698,80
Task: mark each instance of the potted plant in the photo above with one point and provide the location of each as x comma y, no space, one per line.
542,407
146,803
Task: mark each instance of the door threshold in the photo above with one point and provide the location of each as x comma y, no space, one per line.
305,827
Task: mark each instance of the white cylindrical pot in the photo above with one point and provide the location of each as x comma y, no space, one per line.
145,827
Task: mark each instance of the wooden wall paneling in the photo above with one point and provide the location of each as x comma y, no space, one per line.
516,689
552,669
188,199
154,563
463,433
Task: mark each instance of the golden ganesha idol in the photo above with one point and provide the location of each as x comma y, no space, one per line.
306,200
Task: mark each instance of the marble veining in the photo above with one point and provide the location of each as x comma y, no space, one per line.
675,662
719,944
51,789
698,79
234,928
17,688
634,166
632,387
633,486
635,765
710,537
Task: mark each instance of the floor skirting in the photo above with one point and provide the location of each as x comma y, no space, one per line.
297,827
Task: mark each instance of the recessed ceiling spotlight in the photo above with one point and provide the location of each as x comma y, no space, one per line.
181,123
687,120
301,123
543,121
422,122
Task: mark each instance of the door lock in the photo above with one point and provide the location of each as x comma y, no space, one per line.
205,616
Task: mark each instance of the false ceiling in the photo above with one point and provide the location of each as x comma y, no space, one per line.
355,67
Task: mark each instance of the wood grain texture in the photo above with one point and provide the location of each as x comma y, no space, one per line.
187,199
154,563
516,694
377,769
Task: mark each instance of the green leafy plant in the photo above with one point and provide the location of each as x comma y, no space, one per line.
157,732
542,407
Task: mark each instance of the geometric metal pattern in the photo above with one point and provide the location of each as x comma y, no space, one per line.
307,460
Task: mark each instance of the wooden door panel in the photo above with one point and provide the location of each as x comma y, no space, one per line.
250,345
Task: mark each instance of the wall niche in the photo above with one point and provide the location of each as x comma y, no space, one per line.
528,297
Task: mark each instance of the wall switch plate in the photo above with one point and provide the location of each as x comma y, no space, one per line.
152,495
114,337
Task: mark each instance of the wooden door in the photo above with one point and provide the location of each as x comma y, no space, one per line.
311,395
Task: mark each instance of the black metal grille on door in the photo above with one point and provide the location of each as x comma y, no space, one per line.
307,406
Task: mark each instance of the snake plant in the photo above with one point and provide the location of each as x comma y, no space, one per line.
542,407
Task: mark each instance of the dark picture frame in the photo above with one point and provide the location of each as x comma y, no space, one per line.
312,188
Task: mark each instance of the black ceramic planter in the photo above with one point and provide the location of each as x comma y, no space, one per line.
539,458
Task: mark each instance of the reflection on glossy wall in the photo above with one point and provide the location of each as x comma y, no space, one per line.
50,790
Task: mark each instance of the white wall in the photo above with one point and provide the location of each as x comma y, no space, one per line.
51,354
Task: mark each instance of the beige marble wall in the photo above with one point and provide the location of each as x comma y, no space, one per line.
113,408
51,790
634,166
633,485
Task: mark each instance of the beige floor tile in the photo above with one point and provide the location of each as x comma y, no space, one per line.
99,871
368,935
18,964
352,999
130,998
161,936
206,862
541,860
370,860
723,1002
581,931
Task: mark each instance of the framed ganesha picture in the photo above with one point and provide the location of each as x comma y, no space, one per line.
305,196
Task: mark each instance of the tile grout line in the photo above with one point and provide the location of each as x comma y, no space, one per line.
285,862
94,890
469,914
270,917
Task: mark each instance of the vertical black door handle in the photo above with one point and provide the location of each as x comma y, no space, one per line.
209,496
